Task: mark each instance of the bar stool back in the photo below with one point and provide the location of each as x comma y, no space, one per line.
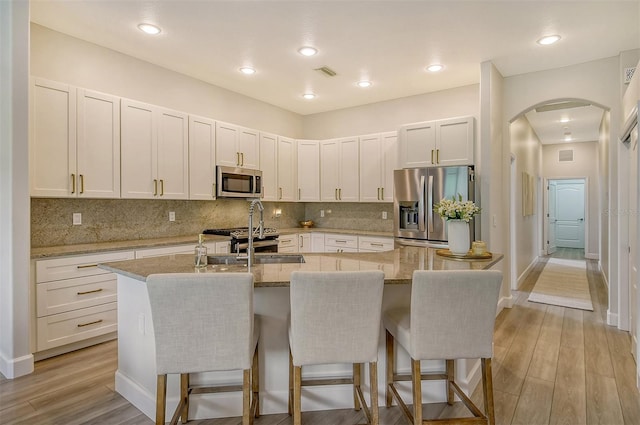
335,318
204,323
452,316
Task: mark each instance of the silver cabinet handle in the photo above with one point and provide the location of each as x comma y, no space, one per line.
280,193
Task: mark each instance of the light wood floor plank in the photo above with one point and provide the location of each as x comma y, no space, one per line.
569,396
534,404
603,404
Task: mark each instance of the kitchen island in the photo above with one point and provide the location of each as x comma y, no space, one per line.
136,378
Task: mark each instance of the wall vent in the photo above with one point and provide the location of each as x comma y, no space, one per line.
628,74
565,155
326,71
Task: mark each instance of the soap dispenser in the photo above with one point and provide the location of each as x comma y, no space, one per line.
201,253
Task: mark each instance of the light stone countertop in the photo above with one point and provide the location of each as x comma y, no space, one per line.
398,265
91,248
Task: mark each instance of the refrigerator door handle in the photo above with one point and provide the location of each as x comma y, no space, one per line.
421,217
430,204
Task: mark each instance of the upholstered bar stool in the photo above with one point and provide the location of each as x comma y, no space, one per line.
335,318
204,323
452,316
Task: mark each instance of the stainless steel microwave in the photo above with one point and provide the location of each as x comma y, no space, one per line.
232,182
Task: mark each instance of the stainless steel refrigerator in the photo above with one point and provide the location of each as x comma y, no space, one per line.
416,190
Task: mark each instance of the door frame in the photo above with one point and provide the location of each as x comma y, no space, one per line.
545,224
512,223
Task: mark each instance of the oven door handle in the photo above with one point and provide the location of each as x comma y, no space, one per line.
258,244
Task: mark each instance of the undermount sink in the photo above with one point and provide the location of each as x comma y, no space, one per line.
259,259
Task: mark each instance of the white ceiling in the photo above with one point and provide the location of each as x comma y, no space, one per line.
583,124
388,42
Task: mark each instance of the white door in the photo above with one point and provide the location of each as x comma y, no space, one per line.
454,144
551,216
370,168
308,164
269,161
570,214
286,169
202,158
349,170
249,148
173,155
390,163
138,135
329,170
633,243
227,145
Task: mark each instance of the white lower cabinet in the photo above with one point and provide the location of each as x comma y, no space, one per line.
288,243
340,243
75,300
374,244
304,242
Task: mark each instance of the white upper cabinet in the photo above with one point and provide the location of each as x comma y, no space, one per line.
339,171
437,143
75,142
286,166
237,146
378,153
268,159
308,170
155,148
202,158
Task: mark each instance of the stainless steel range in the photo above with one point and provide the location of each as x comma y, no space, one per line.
240,239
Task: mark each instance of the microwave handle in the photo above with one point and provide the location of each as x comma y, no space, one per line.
421,206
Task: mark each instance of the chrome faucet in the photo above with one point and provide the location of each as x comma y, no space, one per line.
251,253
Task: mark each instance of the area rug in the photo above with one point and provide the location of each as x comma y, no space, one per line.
564,283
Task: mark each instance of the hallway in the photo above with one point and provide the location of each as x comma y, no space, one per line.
552,365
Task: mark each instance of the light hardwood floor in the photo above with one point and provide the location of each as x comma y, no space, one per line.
552,365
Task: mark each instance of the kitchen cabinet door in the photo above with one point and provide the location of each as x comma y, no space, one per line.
371,168
52,147
455,141
154,152
308,167
286,169
173,155
339,170
389,163
269,161
418,145
304,242
138,150
98,145
237,146
202,158
288,243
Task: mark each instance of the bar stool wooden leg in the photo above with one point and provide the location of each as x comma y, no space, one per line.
255,385
357,369
184,394
297,396
161,398
389,366
246,396
487,388
450,380
417,392
373,390
290,404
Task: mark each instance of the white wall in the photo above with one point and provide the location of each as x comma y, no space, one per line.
59,57
603,192
15,353
389,115
596,81
527,149
584,164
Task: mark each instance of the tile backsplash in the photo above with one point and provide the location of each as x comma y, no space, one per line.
106,220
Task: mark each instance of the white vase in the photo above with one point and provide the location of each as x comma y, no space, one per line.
458,231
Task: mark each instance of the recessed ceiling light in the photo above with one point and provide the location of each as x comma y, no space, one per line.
549,39
247,70
567,138
564,119
364,84
307,51
436,67
149,29
309,96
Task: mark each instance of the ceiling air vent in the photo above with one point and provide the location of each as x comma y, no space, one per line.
326,71
565,155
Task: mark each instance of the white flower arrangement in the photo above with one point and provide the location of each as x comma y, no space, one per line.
456,209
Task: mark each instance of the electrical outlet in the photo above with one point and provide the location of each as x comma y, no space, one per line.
77,219
172,216
384,215
321,213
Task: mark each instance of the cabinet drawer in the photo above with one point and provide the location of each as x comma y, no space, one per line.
167,250
287,241
78,266
339,249
375,244
341,241
73,294
66,328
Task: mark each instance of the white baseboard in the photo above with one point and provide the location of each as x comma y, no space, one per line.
52,352
526,272
592,256
612,318
505,302
14,368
